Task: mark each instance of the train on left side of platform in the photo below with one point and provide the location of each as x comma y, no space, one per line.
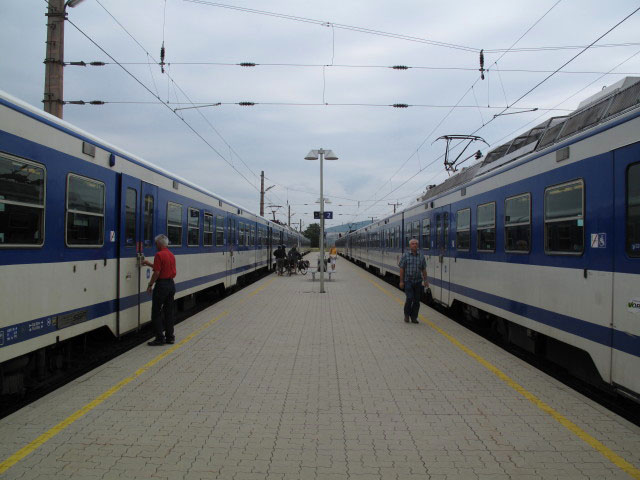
77,215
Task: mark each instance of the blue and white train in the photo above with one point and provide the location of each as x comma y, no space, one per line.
76,216
541,239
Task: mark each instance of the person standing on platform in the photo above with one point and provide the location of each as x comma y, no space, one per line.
333,255
164,271
413,278
279,254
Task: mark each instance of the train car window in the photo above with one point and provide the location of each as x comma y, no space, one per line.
253,236
438,231
85,212
633,210
463,229
174,224
148,220
486,218
131,202
207,227
22,195
193,228
564,218
445,228
426,234
219,231
517,224
415,231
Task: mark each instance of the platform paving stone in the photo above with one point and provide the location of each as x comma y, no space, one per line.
289,383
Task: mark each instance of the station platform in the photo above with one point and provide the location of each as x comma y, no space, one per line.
281,382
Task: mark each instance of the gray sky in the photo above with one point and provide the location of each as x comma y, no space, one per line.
373,143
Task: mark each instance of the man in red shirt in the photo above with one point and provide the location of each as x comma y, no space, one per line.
164,271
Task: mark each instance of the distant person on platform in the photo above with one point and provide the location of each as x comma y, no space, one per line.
333,255
294,256
413,278
279,254
164,271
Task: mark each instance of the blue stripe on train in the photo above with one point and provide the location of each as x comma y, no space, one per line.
41,326
596,333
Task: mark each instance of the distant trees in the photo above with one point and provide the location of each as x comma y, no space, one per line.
313,233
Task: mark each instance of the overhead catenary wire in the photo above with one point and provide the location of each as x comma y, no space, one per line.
325,23
535,120
189,126
451,111
365,66
170,81
537,85
199,105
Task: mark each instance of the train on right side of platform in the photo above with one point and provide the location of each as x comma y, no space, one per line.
540,240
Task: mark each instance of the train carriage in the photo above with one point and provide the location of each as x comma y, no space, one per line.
542,239
76,217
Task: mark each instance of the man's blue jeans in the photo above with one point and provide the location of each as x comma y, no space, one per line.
413,290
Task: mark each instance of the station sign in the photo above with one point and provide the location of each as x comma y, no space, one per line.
327,215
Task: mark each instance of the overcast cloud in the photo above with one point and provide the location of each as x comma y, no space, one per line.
372,142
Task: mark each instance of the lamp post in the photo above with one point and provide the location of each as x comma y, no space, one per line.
328,155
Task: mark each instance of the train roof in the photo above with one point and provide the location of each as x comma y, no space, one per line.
14,103
611,102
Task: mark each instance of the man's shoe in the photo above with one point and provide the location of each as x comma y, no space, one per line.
414,320
406,318
170,341
155,343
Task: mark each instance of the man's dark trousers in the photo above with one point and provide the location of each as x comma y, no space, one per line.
162,309
413,290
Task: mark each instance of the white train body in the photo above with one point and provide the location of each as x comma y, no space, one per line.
77,214
544,233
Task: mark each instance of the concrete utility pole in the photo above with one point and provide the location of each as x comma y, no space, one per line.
262,193
289,215
396,204
54,61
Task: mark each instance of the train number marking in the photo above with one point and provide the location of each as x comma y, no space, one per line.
598,240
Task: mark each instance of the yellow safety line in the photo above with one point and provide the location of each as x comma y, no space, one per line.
616,459
30,447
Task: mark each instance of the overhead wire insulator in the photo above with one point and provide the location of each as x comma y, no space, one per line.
247,64
400,67
400,105
97,64
77,64
482,70
246,104
97,102
162,64
75,102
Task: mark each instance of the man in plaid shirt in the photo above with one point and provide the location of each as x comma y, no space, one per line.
413,277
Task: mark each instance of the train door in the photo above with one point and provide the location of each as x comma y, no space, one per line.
626,251
148,227
129,236
269,241
232,248
441,265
